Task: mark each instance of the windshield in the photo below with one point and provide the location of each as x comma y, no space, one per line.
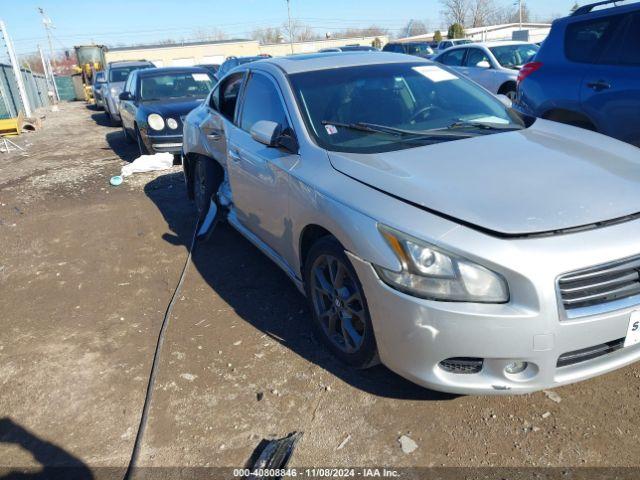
121,74
345,108
511,56
175,85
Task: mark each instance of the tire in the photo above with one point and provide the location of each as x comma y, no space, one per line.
127,137
510,94
204,183
142,148
341,319
509,90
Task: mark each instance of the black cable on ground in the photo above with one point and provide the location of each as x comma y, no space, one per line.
156,360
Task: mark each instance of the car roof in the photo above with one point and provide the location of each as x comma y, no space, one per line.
324,61
152,72
133,63
500,43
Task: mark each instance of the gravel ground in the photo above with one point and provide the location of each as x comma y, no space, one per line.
86,272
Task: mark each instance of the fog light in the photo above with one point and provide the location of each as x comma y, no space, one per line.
516,367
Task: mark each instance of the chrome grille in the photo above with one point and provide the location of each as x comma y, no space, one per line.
601,284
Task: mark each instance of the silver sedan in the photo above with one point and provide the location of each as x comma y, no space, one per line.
431,228
494,65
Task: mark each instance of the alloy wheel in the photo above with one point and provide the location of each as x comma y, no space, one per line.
338,303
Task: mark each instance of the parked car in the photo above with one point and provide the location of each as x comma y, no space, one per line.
494,65
349,48
232,62
98,82
587,72
154,103
467,248
444,44
116,75
212,68
418,49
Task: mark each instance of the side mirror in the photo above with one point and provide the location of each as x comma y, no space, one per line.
125,96
506,101
266,132
483,64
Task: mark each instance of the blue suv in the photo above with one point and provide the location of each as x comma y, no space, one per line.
587,72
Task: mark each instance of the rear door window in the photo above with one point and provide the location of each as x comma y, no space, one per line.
229,95
586,42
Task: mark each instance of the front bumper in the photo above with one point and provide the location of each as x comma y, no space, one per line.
414,335
164,143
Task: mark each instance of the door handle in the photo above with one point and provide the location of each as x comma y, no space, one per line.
213,136
234,155
599,85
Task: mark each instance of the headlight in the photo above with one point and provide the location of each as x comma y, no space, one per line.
115,91
171,123
155,121
429,272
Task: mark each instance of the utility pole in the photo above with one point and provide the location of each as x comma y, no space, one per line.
15,66
50,77
290,31
48,25
46,63
520,12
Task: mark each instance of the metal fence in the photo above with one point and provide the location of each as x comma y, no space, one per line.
35,84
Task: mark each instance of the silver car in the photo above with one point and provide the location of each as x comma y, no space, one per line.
431,228
98,82
494,65
116,75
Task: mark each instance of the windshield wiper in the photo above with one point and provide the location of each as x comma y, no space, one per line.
399,132
480,125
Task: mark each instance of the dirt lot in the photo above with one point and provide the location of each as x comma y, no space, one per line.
86,272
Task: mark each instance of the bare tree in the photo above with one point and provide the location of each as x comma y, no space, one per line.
267,35
481,12
415,27
209,34
371,31
455,11
299,32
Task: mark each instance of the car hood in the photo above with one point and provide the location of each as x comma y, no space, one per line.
177,107
549,177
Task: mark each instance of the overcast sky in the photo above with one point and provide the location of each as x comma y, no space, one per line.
145,21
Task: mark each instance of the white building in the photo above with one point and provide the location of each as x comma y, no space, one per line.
530,32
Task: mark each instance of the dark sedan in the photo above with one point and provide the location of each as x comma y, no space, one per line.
155,101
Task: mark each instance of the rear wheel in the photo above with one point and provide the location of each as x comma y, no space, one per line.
340,313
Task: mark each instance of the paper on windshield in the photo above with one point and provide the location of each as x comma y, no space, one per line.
435,74
200,77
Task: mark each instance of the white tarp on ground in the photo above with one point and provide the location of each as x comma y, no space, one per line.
148,163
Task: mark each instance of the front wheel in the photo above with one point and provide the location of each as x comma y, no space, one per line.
341,317
142,148
127,137
204,177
